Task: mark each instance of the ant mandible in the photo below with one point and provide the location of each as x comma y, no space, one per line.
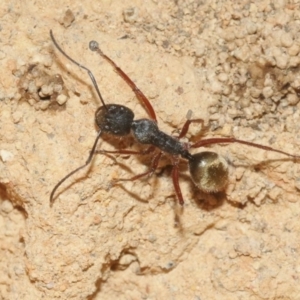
208,170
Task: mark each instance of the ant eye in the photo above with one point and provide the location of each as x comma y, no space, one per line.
209,171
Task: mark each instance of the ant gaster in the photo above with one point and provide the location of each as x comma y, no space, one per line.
208,170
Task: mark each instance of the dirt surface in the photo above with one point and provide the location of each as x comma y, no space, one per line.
233,64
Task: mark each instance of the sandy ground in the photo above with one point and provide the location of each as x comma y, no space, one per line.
234,65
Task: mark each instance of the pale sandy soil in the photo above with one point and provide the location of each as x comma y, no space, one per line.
235,64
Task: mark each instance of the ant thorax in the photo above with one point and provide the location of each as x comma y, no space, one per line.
146,132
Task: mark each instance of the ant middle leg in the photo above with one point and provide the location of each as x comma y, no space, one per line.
150,172
187,124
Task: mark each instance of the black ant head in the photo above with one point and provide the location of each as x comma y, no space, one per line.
209,171
114,119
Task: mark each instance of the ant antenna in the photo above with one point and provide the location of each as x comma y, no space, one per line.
79,168
94,46
79,65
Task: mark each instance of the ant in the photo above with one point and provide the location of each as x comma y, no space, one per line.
208,170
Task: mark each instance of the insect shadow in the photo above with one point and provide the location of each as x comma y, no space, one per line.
207,169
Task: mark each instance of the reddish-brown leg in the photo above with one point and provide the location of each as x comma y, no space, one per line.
139,94
212,141
175,178
188,122
186,126
154,165
124,151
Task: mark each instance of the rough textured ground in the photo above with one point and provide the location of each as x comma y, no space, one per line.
235,65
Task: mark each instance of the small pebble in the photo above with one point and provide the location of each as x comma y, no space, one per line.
292,99
61,99
6,206
286,39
